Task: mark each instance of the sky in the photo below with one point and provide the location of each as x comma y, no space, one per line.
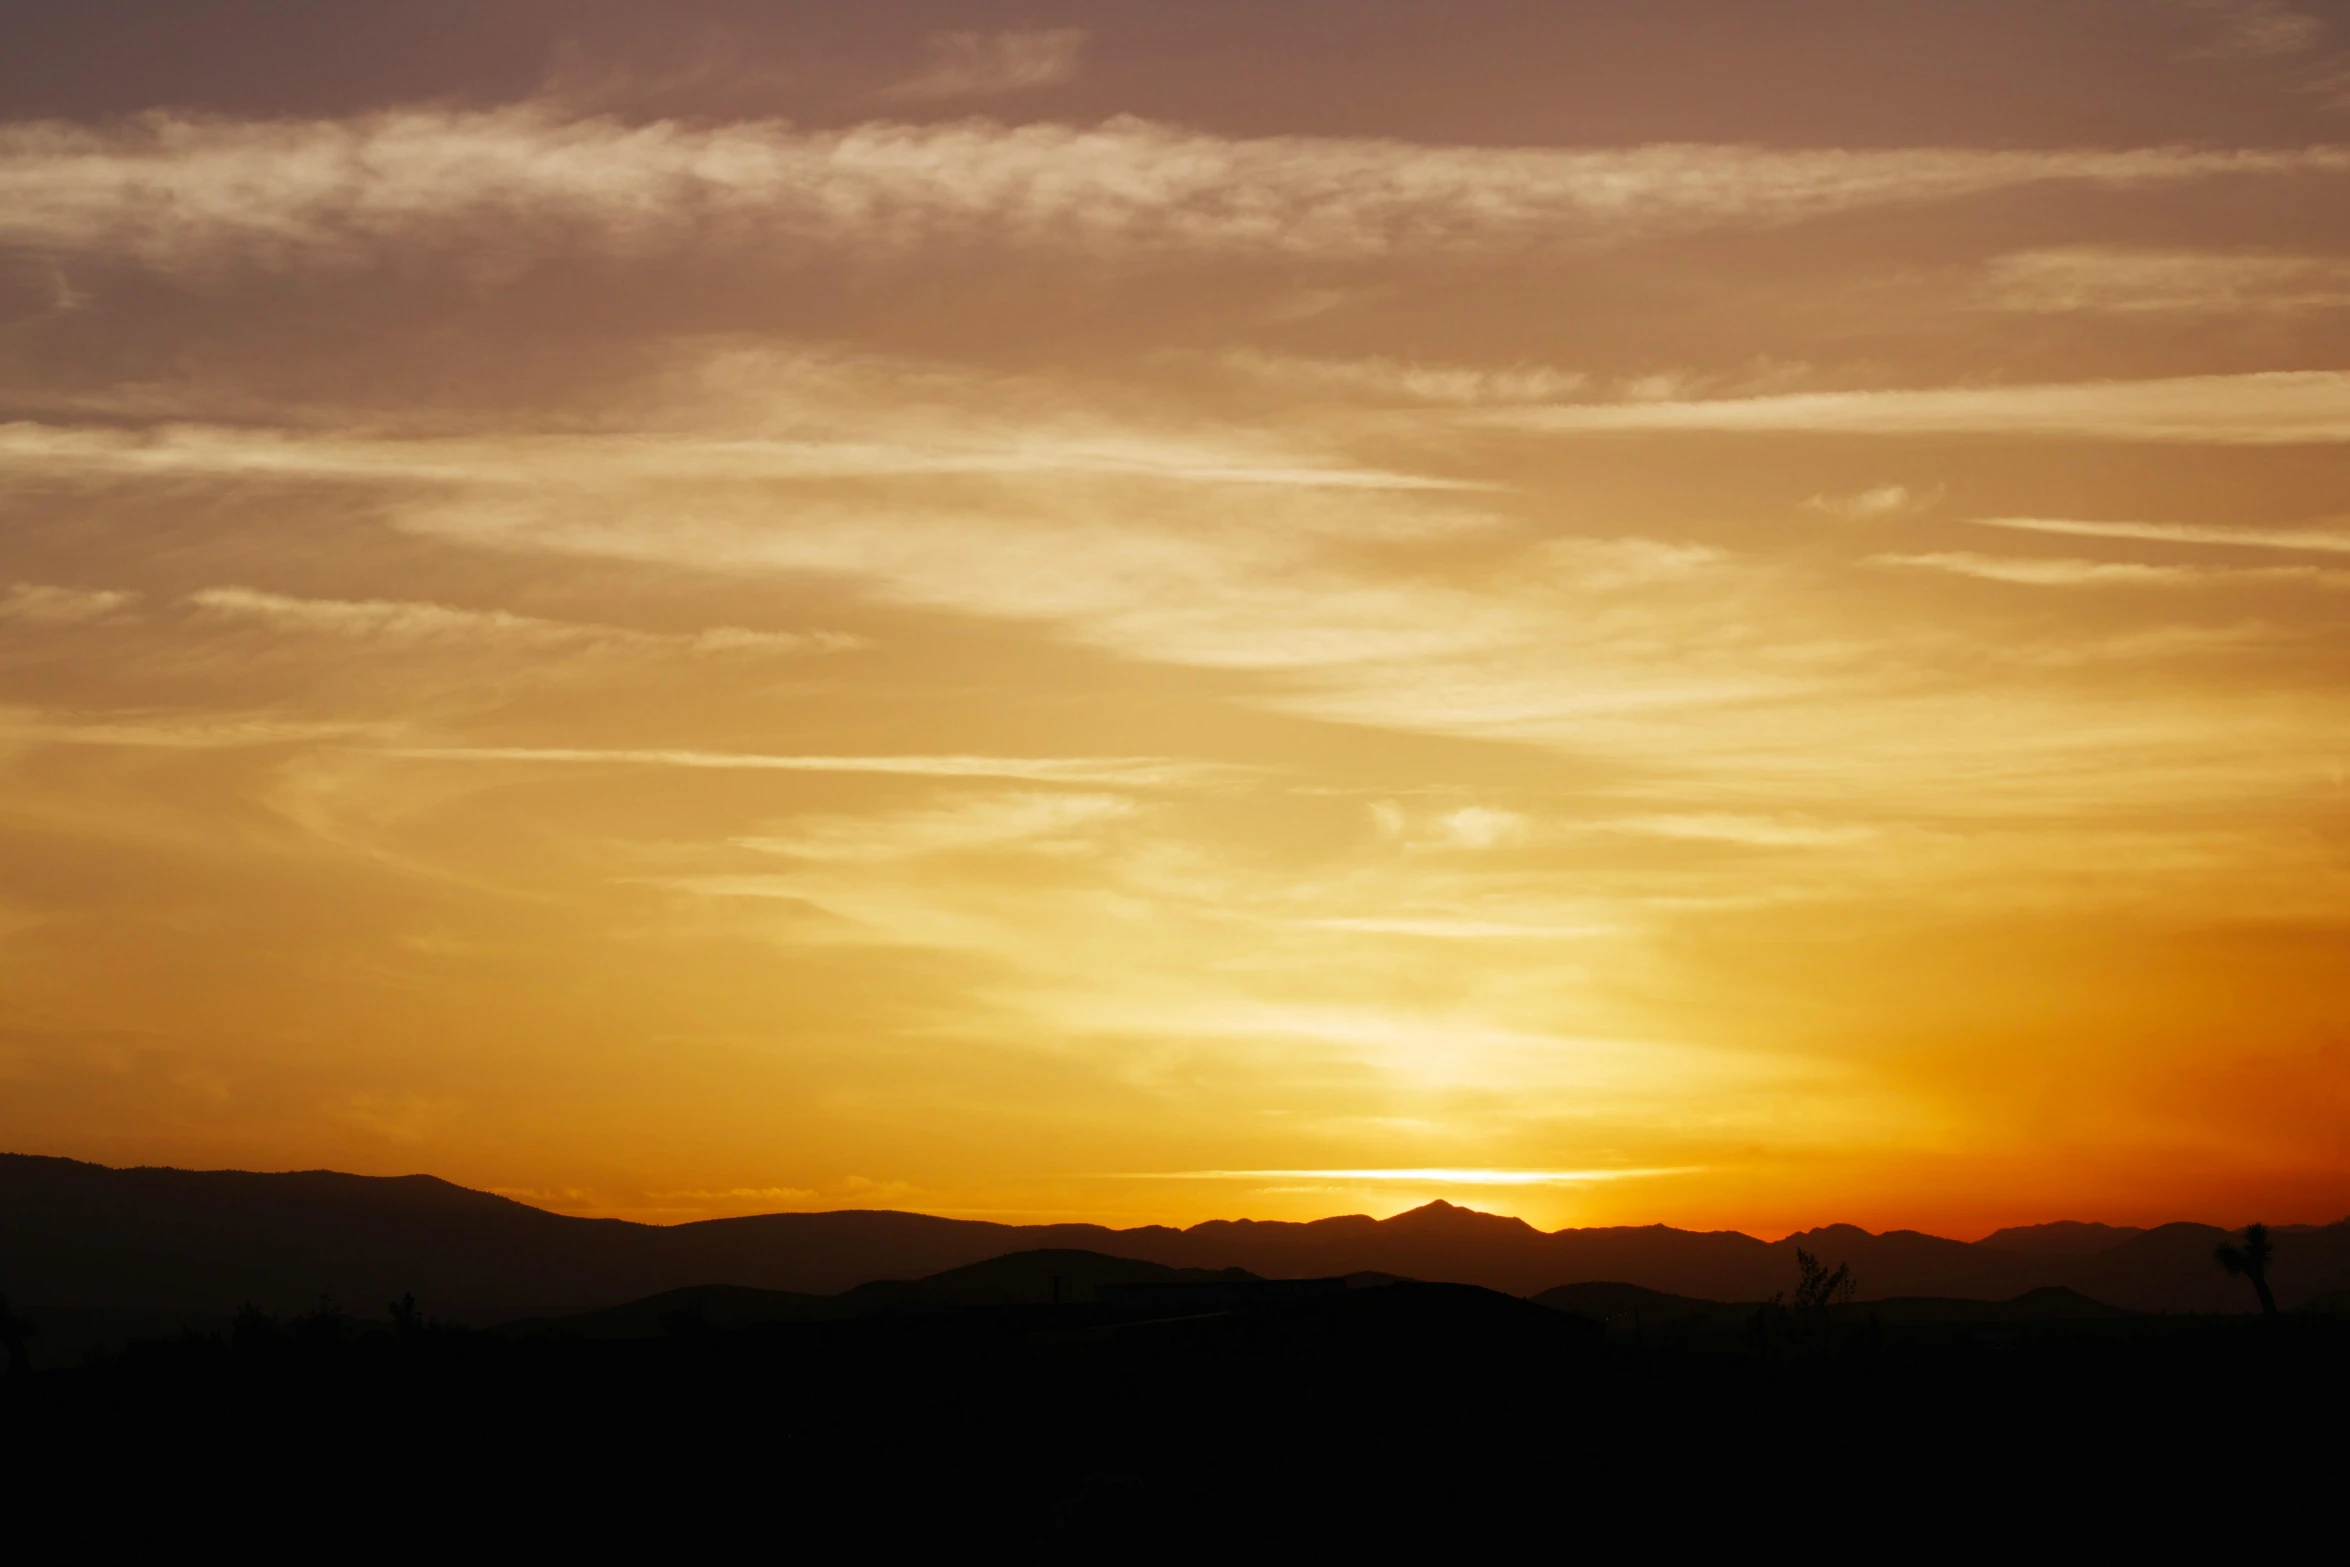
1688,612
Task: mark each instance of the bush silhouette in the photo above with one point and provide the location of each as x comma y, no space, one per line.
2250,1261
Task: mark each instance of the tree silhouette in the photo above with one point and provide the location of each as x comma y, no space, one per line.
2250,1261
1819,1289
14,1330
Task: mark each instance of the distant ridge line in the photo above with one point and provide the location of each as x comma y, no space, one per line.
84,1237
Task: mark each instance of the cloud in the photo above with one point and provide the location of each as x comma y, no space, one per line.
179,192
1474,827
2042,572
1607,565
1395,607
1033,823
209,732
423,625
1761,831
1886,500
2122,280
2035,571
970,65
2274,408
734,1194
2313,540
1466,929
1135,772
1469,827
39,604
982,449
1380,379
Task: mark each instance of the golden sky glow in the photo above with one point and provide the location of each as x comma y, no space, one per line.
1278,612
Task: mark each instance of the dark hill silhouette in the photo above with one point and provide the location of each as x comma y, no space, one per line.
1022,1278
1389,1336
1627,1308
82,1243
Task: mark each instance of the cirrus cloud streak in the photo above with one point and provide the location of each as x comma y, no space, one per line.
173,191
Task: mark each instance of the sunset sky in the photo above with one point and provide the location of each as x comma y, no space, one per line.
1726,614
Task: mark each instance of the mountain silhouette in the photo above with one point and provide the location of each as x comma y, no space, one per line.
2064,1238
96,1254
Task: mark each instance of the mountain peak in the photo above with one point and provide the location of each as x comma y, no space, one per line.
1439,1215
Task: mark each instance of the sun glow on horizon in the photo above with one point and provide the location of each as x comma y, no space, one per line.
1458,1177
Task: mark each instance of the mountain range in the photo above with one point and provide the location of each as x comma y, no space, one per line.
141,1249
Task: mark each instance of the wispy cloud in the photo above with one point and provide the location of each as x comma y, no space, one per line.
1032,823
41,604
2043,572
180,192
972,64
735,1194
1885,500
2040,572
164,732
1379,379
1445,929
1137,772
226,452
421,625
2126,281
2321,541
1469,827
1772,832
2275,408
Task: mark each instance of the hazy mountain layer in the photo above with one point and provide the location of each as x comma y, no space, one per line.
148,1244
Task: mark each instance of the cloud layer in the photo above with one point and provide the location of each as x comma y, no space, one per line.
177,192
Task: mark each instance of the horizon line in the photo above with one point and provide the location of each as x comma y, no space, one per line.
538,1199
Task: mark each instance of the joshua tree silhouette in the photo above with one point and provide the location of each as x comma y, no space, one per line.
13,1332
2250,1261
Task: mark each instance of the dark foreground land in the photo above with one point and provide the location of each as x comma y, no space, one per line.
1383,1410
863,1381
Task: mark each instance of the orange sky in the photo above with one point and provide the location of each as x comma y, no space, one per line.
1614,613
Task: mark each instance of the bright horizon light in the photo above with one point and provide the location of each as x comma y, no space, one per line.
1436,1177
